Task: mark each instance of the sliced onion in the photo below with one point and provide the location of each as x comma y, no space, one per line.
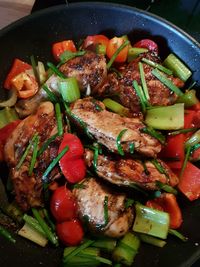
11,101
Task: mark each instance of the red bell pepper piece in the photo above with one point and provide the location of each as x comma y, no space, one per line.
5,132
60,47
18,67
147,43
189,183
112,47
168,203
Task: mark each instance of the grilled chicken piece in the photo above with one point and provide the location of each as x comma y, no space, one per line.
89,70
90,199
106,126
28,188
127,172
159,94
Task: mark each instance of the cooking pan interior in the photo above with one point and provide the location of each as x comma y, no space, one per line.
34,35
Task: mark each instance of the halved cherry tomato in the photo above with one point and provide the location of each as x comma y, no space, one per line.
63,205
5,132
60,47
72,163
18,67
147,43
95,40
112,47
70,232
168,203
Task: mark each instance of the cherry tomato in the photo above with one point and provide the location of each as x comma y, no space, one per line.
95,39
60,47
63,205
70,232
72,163
147,43
112,47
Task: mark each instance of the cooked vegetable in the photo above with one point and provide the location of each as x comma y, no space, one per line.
34,155
60,47
143,81
178,67
166,118
156,65
148,44
115,107
188,98
193,140
4,232
152,240
69,89
134,52
141,96
106,244
178,235
59,119
118,142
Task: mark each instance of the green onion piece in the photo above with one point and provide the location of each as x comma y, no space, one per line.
5,233
118,142
34,66
143,81
152,240
166,118
46,144
34,156
52,97
105,244
188,98
50,235
7,115
167,82
115,107
132,148
67,55
134,52
149,130
158,66
33,223
78,250
59,119
96,154
193,140
26,151
49,221
160,168
187,130
53,164
178,67
101,49
98,258
109,64
150,221
195,147
166,188
105,207
140,95
187,156
56,70
178,234
69,89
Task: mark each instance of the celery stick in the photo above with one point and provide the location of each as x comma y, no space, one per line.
150,221
69,89
152,240
166,118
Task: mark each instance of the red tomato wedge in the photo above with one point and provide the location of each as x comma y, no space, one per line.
147,43
95,40
18,67
70,232
72,163
63,204
60,47
168,203
112,47
189,183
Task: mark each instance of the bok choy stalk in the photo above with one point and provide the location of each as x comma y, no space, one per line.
150,221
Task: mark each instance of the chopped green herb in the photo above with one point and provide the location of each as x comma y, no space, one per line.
46,144
34,156
187,130
166,188
52,97
59,119
187,155
195,147
4,232
106,210
34,66
67,55
118,142
56,70
140,95
160,168
158,66
143,81
178,234
156,134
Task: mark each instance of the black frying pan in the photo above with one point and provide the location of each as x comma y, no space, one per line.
35,35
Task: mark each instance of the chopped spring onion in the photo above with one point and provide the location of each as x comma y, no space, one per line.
4,232
149,130
178,234
105,207
143,81
48,219
55,70
160,168
158,66
167,82
118,142
59,119
26,151
140,95
166,118
152,240
187,130
96,154
150,221
46,144
35,71
193,140
33,223
11,101
69,89
49,234
195,147
7,115
178,67
188,98
67,55
97,258
53,164
167,188
187,156
109,64
134,52
115,107
101,49
34,155
106,244
53,98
